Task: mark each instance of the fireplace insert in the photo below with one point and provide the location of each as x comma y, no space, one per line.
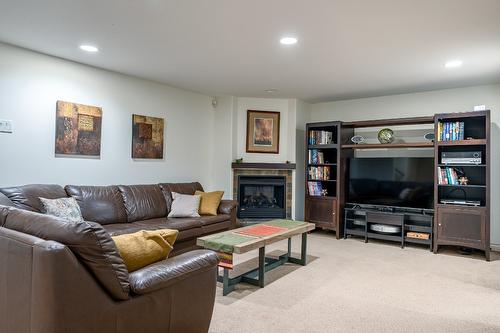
261,197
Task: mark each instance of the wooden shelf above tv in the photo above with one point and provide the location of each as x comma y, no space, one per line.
390,122
389,145
473,142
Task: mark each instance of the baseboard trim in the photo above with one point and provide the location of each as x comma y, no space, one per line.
495,247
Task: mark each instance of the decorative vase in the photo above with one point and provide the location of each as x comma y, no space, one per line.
386,135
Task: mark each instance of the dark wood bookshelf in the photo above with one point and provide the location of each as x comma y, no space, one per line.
322,209
464,225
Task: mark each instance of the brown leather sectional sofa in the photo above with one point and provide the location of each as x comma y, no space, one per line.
61,277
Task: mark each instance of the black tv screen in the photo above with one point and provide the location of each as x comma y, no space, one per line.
401,182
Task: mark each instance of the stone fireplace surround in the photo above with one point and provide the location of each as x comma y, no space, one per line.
266,169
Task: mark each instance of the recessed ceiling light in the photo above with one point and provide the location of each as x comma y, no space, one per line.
288,40
453,63
270,91
89,48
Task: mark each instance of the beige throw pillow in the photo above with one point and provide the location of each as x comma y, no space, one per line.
184,205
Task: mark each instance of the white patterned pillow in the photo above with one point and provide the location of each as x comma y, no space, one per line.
66,208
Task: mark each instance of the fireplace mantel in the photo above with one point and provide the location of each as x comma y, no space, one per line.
264,166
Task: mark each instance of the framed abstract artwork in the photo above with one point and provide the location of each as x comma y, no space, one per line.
147,137
263,132
78,130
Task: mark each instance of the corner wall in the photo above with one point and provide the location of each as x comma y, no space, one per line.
426,104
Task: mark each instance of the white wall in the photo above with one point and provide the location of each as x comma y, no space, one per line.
423,104
286,139
30,85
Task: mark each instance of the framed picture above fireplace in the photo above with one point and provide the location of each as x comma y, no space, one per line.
263,132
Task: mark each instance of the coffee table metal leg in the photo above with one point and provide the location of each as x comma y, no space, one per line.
303,250
226,289
262,264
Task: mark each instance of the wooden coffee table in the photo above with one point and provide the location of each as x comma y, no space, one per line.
253,237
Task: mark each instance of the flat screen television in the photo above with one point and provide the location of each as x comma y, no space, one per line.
400,182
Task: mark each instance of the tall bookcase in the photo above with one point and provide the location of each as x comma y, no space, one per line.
322,174
458,224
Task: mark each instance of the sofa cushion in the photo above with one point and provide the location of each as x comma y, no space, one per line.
4,201
101,204
27,196
206,220
182,188
189,228
145,247
90,243
143,202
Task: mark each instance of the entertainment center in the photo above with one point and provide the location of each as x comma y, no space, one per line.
412,190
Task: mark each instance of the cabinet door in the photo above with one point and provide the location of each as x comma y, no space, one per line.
462,226
321,210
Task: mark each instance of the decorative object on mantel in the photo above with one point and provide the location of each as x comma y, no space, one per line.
385,136
238,160
357,139
263,132
78,129
147,137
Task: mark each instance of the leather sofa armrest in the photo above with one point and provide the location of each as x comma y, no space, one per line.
227,206
170,271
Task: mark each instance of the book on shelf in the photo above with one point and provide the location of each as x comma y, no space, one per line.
451,131
316,156
320,137
447,176
319,173
315,189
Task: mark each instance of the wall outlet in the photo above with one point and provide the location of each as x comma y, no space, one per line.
5,126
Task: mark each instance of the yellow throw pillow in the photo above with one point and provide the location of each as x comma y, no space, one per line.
209,202
144,247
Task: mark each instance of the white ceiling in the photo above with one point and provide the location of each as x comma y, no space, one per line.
346,48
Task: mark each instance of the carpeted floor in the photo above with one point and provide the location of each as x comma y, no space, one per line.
349,286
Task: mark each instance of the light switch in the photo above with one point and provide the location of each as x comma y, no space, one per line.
5,126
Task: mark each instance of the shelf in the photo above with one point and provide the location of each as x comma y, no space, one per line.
418,228
392,237
389,145
321,180
320,197
390,122
460,165
323,146
417,240
474,142
356,232
321,164
462,186
442,205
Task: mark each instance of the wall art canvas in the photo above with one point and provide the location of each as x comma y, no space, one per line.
78,129
147,137
263,132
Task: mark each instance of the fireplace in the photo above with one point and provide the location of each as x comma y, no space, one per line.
261,197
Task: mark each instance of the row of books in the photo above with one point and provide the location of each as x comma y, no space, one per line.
320,137
316,156
451,131
315,189
447,176
319,173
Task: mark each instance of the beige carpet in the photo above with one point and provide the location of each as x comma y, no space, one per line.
349,286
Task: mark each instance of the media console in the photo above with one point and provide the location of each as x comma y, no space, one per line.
461,205
402,225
